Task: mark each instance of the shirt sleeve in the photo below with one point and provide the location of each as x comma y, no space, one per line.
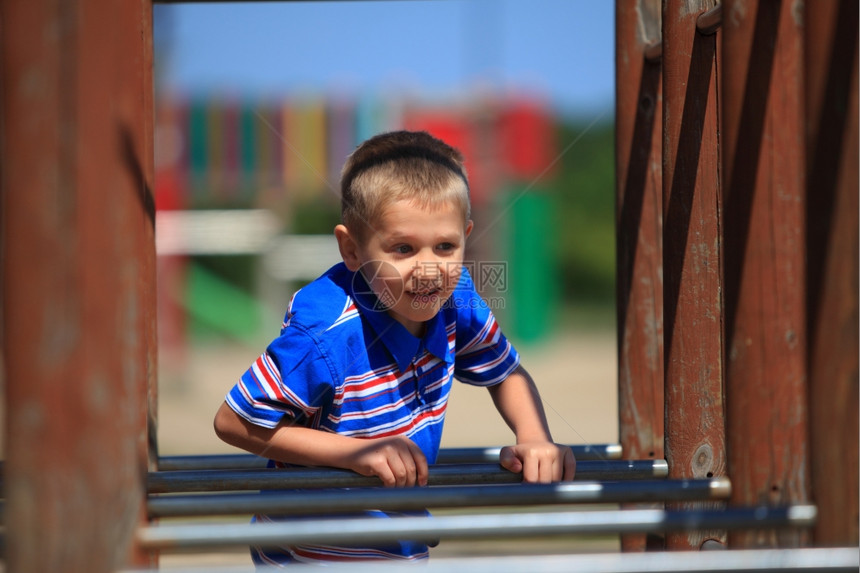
291,378
483,356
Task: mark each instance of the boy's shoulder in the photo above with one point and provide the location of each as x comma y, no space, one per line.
324,302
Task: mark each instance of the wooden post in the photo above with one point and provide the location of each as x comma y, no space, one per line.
78,280
765,321
832,227
638,230
695,432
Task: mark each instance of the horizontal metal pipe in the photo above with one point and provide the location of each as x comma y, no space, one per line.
473,526
832,560
446,456
324,502
317,478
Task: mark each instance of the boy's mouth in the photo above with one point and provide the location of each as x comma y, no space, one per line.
428,292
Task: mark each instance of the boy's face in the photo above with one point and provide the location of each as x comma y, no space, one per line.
413,259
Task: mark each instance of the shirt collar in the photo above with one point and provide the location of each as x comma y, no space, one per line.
401,343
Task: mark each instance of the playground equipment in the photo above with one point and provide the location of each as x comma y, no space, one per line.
737,158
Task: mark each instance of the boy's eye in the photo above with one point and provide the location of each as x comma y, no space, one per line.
446,246
402,249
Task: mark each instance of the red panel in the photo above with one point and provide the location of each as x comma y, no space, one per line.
455,129
528,140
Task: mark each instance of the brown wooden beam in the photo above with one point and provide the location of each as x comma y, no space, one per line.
78,280
695,432
707,23
765,321
832,227
639,236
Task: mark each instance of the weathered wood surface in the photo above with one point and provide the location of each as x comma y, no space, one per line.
695,432
78,280
764,260
639,236
832,225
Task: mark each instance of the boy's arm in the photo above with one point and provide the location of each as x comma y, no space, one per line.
535,454
396,460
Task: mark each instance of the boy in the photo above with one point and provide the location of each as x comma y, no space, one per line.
359,377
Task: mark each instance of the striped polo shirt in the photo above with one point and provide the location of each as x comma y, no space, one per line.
341,366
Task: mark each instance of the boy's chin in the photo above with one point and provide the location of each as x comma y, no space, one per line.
419,313
423,314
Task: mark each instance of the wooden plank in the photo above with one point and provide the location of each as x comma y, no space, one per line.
695,433
832,228
638,227
78,280
765,323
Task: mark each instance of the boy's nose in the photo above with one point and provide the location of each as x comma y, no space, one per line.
427,269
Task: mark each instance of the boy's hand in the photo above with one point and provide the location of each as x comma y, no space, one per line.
397,461
540,462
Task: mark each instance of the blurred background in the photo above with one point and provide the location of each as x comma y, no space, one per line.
258,105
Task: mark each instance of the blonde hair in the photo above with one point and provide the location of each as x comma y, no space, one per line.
400,165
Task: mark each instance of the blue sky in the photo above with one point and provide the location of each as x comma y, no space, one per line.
561,50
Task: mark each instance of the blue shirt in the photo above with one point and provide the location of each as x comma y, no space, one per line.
342,365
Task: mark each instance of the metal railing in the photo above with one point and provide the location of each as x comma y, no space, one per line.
833,560
361,530
186,481
323,502
446,456
314,492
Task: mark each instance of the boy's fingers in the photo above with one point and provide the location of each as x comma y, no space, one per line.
531,470
509,460
569,465
400,469
411,467
422,472
386,475
557,470
540,466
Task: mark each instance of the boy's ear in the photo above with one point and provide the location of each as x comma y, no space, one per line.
469,225
348,247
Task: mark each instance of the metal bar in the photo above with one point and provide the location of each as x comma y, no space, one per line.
211,462
762,136
402,499
692,329
832,560
638,220
316,478
446,456
473,526
78,279
582,452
